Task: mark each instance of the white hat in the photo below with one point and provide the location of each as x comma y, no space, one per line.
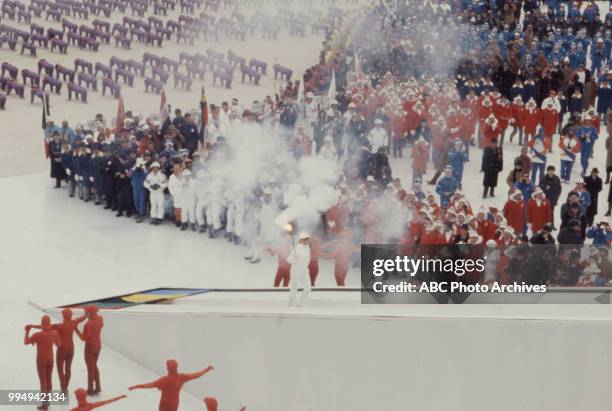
187,172
303,235
310,94
491,243
140,161
378,121
328,139
155,164
370,178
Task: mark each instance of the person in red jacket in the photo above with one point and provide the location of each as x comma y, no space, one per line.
485,228
514,211
170,385
550,121
281,251
467,128
420,155
83,405
518,113
91,335
503,113
538,211
44,341
491,130
315,252
531,119
341,250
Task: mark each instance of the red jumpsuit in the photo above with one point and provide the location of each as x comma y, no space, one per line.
83,405
315,251
283,270
490,133
171,385
65,353
93,344
44,341
341,250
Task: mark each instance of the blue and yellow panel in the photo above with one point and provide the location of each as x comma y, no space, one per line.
154,296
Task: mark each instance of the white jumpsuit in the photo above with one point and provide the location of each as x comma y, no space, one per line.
299,259
175,186
157,195
188,211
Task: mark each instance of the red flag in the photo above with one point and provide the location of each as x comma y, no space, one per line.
120,116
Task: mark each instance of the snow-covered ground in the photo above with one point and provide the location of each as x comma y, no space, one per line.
56,250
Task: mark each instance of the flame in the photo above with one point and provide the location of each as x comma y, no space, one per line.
288,227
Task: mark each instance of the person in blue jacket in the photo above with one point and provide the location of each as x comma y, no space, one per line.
98,162
587,134
446,187
84,173
525,186
456,157
600,233
138,190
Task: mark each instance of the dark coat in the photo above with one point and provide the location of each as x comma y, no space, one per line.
593,186
552,188
55,155
492,164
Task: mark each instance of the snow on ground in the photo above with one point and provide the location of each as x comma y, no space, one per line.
21,129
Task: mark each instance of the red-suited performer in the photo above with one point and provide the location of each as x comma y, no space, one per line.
171,385
341,250
65,353
83,405
212,404
92,336
44,341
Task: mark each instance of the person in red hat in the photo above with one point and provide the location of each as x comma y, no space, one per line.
538,211
171,385
514,211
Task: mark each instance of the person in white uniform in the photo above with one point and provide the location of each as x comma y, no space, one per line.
378,136
156,182
299,259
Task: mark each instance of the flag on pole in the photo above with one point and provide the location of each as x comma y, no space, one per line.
331,94
44,127
164,115
300,97
204,118
120,116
